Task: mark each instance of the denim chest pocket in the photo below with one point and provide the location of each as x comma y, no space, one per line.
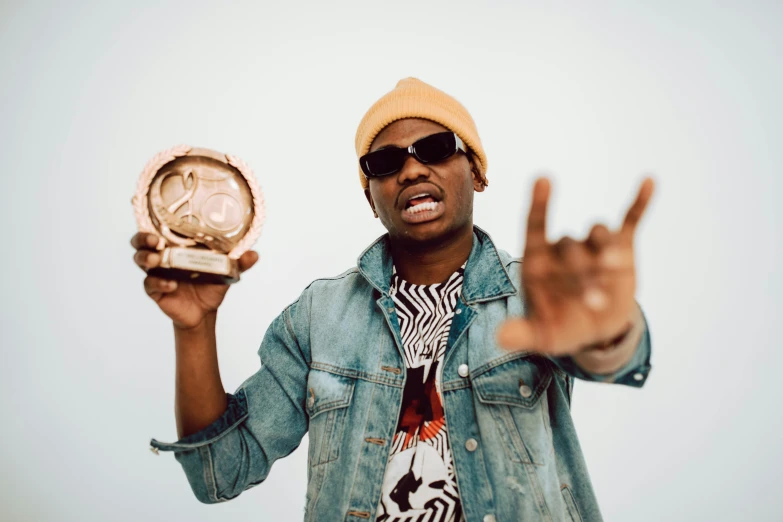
328,398
513,391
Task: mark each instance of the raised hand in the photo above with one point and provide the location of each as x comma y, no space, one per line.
187,304
577,293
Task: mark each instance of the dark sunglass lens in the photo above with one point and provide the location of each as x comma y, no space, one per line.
383,162
436,147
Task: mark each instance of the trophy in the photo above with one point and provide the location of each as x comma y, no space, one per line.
207,209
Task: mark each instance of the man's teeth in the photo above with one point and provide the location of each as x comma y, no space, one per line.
421,207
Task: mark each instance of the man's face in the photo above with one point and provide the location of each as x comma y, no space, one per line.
450,185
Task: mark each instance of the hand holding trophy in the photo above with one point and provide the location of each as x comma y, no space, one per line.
198,213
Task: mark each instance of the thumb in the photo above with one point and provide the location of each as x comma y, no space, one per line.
518,335
247,260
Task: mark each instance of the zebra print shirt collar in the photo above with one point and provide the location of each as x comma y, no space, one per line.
485,276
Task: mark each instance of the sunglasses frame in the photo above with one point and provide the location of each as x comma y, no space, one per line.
411,151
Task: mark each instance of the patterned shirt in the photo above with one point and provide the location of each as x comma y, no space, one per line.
420,484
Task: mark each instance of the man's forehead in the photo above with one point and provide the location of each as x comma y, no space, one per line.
402,133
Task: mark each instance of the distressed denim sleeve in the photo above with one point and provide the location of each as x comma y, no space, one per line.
265,420
634,373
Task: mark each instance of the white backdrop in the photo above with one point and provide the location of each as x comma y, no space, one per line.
597,94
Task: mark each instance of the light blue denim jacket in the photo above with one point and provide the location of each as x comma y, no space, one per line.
331,364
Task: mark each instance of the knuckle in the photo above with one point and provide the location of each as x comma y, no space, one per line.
612,258
566,246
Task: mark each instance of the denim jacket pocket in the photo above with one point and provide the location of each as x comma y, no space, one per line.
512,390
571,510
328,398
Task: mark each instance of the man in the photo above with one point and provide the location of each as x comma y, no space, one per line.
430,389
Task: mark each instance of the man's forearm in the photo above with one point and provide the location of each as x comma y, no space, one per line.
200,398
605,362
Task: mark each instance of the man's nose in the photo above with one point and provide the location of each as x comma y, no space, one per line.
411,170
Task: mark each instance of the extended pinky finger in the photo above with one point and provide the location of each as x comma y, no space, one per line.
156,287
634,214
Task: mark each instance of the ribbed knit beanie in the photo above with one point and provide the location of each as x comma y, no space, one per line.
412,98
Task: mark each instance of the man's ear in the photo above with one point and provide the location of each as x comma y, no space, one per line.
370,201
478,182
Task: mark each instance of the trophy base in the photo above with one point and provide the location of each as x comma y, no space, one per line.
196,266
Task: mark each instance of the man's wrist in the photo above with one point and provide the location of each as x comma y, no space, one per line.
609,356
208,321
611,343
201,334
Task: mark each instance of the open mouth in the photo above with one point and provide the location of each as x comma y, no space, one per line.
421,203
422,207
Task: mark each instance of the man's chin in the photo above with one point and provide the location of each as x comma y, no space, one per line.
424,235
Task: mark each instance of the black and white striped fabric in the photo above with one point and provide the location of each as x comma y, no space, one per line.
420,484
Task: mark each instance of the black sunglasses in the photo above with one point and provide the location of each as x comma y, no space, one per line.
430,149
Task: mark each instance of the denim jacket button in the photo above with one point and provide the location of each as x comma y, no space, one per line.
489,518
638,376
525,391
154,450
471,444
310,402
463,370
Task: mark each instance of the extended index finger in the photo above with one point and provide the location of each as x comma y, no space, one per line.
536,220
634,214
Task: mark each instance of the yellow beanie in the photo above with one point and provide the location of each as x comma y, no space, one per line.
413,98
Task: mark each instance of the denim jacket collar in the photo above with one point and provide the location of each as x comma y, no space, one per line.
485,276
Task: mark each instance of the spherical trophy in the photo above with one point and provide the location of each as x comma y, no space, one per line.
207,209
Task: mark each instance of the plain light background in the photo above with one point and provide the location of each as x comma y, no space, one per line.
597,94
